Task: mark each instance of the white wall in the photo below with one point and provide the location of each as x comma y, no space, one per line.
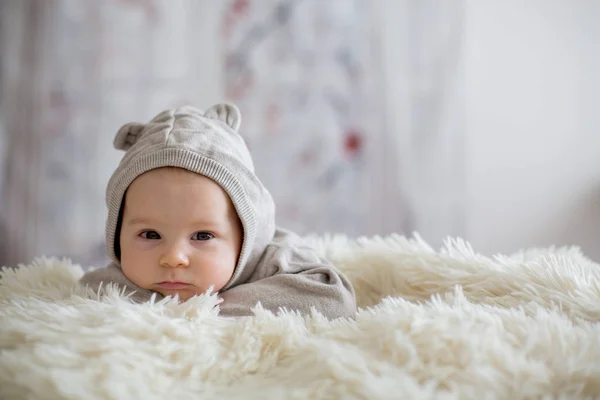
533,124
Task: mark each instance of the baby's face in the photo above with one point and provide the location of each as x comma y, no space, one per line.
180,233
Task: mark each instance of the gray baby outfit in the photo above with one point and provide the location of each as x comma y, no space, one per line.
275,267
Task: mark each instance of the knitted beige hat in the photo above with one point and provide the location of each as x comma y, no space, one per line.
207,143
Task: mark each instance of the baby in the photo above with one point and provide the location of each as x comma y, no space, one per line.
186,213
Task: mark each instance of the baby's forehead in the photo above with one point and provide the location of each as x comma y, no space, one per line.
164,176
168,187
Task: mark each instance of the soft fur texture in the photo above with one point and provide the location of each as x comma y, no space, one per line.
433,324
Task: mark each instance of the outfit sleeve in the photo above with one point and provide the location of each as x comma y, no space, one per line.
112,274
295,279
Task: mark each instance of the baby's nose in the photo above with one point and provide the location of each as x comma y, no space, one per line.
175,257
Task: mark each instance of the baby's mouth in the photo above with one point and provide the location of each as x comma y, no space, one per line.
173,285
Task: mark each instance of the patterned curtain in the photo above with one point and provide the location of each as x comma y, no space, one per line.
353,110
304,73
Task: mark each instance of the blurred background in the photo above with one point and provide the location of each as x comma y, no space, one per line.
469,118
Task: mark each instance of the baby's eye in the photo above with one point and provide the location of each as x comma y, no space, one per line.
150,235
202,236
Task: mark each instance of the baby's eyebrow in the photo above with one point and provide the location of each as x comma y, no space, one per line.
139,221
208,223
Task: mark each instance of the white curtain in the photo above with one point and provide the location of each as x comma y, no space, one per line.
352,109
72,72
424,141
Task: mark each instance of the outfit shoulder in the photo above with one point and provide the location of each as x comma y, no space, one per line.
291,275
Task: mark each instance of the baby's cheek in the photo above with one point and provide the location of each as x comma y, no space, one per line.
211,274
131,275
135,273
221,274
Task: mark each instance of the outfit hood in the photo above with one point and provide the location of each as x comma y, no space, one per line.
207,143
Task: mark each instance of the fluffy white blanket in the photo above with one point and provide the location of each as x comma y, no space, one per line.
434,324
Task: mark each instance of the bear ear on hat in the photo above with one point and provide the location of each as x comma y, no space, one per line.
128,135
227,113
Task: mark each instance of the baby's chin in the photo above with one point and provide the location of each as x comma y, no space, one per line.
184,294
